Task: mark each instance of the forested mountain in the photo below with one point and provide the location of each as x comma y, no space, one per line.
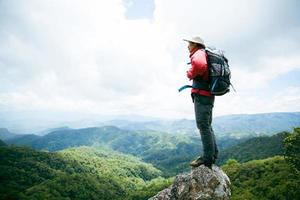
5,134
255,148
2,143
102,173
62,139
272,178
134,142
79,173
170,153
27,139
49,130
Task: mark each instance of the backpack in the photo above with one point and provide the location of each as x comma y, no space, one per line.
219,74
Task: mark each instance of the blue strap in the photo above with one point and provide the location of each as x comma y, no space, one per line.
213,86
184,87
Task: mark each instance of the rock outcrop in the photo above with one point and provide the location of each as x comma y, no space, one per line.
201,183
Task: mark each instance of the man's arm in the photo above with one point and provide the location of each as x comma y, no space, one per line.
199,65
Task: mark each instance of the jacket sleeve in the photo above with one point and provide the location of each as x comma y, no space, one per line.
199,65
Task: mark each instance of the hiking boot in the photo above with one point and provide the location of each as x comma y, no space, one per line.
200,161
196,163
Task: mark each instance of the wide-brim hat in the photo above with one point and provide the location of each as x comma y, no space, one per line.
196,39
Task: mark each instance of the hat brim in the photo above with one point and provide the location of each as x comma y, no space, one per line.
194,41
188,40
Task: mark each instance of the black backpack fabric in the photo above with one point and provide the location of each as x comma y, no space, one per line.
219,74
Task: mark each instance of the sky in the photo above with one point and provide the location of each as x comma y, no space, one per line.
120,58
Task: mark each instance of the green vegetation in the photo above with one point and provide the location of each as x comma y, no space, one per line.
292,148
79,173
272,178
26,140
108,162
255,148
2,143
150,189
113,165
169,153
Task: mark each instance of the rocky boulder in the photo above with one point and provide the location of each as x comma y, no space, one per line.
201,183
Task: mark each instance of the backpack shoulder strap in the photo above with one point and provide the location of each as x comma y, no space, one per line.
184,87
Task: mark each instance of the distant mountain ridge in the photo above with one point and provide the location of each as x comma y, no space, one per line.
65,138
257,124
6,134
239,125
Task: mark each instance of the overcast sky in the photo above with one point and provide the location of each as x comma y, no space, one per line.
114,57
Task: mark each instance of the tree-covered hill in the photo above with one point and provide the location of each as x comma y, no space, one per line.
100,171
62,139
271,178
26,139
133,142
107,162
2,143
164,150
255,148
170,153
82,173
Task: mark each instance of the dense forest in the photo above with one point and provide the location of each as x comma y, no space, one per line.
271,178
168,152
2,143
76,173
101,172
255,148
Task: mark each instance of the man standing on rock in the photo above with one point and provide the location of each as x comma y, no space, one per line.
203,101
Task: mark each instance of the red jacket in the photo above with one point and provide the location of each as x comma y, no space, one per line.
199,67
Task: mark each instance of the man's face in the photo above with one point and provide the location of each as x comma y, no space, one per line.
191,46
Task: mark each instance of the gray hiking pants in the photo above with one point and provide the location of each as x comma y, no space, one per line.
203,112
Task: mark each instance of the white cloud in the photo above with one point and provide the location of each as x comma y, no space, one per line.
286,100
86,56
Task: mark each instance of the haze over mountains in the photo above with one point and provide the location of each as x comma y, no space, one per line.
230,125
